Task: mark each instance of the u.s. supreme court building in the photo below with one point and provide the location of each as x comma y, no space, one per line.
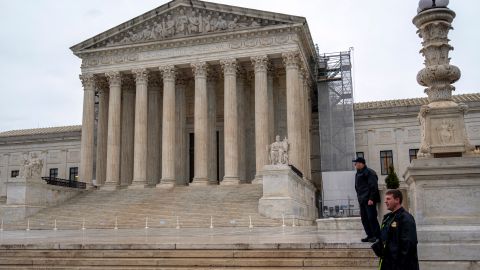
193,93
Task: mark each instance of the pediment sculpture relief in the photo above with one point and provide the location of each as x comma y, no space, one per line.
184,22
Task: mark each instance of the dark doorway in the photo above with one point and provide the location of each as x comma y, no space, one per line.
191,156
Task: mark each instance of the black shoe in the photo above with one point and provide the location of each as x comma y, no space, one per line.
372,239
365,239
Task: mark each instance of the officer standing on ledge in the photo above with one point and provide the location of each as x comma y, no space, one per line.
366,186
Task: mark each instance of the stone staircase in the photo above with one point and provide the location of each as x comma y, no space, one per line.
225,206
130,258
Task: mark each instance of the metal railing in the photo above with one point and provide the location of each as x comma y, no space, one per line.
64,182
339,208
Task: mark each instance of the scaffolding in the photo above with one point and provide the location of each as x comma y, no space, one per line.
335,110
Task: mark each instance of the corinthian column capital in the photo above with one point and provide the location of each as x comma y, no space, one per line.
199,69
260,63
291,59
168,72
114,78
229,66
88,81
141,75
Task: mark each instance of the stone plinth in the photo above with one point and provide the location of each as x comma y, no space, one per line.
346,223
26,197
285,193
444,199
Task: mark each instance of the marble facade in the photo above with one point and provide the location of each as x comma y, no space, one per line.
194,81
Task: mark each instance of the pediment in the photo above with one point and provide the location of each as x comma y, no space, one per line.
182,19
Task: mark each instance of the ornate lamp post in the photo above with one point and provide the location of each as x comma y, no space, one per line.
442,120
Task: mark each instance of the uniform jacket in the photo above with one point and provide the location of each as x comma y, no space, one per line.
399,241
366,185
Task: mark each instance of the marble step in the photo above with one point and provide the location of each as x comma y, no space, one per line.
190,259
193,205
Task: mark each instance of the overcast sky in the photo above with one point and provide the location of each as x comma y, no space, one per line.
39,75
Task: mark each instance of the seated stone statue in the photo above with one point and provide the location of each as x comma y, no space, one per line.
32,167
278,152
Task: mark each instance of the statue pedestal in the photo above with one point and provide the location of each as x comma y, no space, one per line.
444,197
443,130
27,196
286,193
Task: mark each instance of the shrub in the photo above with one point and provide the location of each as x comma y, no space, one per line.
392,179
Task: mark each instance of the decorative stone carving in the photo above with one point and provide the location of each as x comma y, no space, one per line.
199,69
88,81
32,167
168,72
183,21
291,59
442,122
114,78
438,74
260,63
229,66
278,152
141,75
445,132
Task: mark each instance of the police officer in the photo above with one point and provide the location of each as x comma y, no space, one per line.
397,247
366,186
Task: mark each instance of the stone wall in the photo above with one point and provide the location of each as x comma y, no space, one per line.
397,129
59,150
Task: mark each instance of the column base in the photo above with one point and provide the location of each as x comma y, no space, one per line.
166,183
137,185
109,186
200,182
258,179
230,181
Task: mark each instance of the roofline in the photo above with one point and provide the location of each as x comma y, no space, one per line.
187,3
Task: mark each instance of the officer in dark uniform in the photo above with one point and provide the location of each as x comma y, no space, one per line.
366,186
397,247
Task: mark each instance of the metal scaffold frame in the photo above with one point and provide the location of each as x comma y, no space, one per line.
335,108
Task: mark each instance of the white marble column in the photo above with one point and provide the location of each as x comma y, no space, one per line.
308,123
88,124
202,142
260,64
291,61
271,106
230,121
113,140
181,149
154,151
168,127
212,80
244,113
141,132
302,119
127,131
102,134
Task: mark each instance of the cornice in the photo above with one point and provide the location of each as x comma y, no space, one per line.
193,40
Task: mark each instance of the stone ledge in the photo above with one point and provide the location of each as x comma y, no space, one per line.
347,223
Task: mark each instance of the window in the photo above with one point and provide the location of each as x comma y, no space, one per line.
73,174
412,153
386,160
360,154
53,173
15,173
